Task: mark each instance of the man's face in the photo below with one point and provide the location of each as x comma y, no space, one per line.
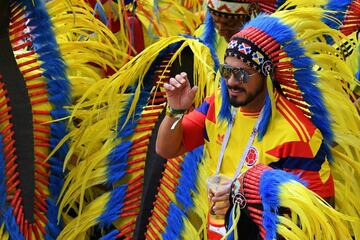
227,26
242,94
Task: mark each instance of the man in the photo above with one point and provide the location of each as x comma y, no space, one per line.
229,16
263,113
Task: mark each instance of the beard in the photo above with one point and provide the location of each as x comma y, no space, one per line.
249,97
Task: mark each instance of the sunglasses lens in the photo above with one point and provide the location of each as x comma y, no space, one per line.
241,75
225,71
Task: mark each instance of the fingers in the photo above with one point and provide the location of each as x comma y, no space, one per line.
220,208
220,198
219,201
179,81
224,190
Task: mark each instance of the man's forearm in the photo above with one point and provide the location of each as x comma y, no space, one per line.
169,138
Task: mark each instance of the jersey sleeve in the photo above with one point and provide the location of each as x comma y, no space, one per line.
194,130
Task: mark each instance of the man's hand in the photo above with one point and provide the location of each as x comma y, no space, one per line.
179,93
220,201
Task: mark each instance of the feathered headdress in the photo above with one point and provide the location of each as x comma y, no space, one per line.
242,8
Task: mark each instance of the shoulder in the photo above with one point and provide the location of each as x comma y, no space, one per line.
205,111
294,120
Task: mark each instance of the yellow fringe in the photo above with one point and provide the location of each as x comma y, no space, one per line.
88,47
235,221
346,174
324,222
189,230
77,227
3,234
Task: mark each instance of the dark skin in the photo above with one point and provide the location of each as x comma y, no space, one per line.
227,27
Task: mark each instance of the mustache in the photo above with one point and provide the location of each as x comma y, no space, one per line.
235,88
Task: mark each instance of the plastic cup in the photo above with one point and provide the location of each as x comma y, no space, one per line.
216,184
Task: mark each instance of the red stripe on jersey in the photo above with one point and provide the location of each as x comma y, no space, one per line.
293,117
291,122
292,149
309,126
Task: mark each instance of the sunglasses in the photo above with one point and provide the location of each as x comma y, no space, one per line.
240,74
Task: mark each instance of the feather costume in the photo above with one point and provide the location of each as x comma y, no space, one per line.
48,62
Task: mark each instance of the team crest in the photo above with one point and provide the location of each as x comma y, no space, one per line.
251,157
220,139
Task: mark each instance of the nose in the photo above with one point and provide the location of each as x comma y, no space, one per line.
233,81
238,78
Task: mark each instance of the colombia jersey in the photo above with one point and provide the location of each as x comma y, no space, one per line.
291,142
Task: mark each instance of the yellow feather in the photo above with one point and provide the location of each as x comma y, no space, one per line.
324,222
76,228
3,234
189,230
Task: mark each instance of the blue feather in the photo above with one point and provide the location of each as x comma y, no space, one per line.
11,226
270,181
225,110
187,181
209,34
304,75
117,162
99,9
264,122
340,8
113,206
58,114
53,228
175,223
56,179
128,129
111,235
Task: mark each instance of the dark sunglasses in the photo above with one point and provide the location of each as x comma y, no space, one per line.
240,74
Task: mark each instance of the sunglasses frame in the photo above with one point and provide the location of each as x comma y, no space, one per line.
239,74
